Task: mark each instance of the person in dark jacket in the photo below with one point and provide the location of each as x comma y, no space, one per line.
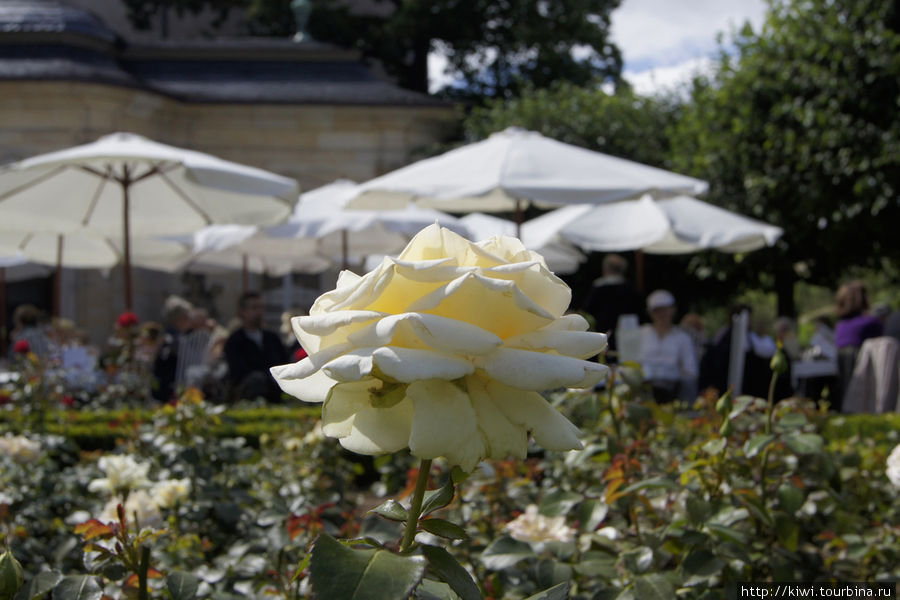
251,350
610,297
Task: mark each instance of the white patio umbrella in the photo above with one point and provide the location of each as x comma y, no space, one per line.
676,225
125,184
537,234
513,165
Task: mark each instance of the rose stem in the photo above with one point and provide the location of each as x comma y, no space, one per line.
415,508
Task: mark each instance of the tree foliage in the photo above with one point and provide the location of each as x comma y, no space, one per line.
800,127
493,47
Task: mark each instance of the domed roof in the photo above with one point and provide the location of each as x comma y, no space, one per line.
51,16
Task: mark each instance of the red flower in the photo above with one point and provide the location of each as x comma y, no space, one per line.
68,401
22,347
300,354
127,319
5,398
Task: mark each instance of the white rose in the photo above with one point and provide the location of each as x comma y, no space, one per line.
444,350
167,493
123,474
893,466
20,448
535,528
139,505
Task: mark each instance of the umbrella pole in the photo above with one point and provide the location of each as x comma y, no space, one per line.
518,218
639,270
126,243
57,277
3,311
344,249
245,273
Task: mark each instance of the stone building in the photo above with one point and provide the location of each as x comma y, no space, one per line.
302,109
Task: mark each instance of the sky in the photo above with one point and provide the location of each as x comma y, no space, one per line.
663,42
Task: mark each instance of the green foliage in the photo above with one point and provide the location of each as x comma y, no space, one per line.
800,128
621,124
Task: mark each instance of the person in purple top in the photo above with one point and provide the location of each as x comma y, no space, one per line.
855,325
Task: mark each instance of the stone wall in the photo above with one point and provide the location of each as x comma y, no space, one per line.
314,144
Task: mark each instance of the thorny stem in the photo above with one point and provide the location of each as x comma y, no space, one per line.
770,413
142,574
415,508
610,381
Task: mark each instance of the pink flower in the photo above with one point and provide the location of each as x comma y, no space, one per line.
300,354
22,347
68,401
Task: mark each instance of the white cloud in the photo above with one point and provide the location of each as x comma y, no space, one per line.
668,78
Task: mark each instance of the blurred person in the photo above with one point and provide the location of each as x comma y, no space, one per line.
28,325
667,352
854,326
822,343
251,350
786,338
177,319
610,297
892,325
695,326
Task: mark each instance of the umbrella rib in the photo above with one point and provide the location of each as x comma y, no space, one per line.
95,198
185,197
33,182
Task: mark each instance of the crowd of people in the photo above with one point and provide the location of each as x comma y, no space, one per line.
856,350
187,349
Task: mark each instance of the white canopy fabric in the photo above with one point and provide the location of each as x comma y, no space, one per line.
494,174
170,190
318,235
87,250
127,185
677,225
537,235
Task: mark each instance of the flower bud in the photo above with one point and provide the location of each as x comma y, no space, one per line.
725,404
11,575
726,429
779,364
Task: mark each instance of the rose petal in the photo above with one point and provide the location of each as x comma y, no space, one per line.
579,344
417,330
349,416
401,364
538,371
501,437
312,388
444,424
570,322
492,304
537,282
529,410
316,332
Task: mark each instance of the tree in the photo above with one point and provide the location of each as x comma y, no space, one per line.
493,47
801,128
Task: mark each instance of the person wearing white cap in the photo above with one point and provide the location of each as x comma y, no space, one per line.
667,353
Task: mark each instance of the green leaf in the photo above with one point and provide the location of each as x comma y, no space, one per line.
443,528
638,560
429,589
438,498
452,572
702,562
698,509
551,572
788,531
337,571
652,483
391,509
182,586
653,587
504,552
558,503
557,592
77,587
591,513
715,446
804,443
727,533
790,497
792,421
42,583
730,515
757,443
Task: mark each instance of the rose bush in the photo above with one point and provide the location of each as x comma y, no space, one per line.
444,350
